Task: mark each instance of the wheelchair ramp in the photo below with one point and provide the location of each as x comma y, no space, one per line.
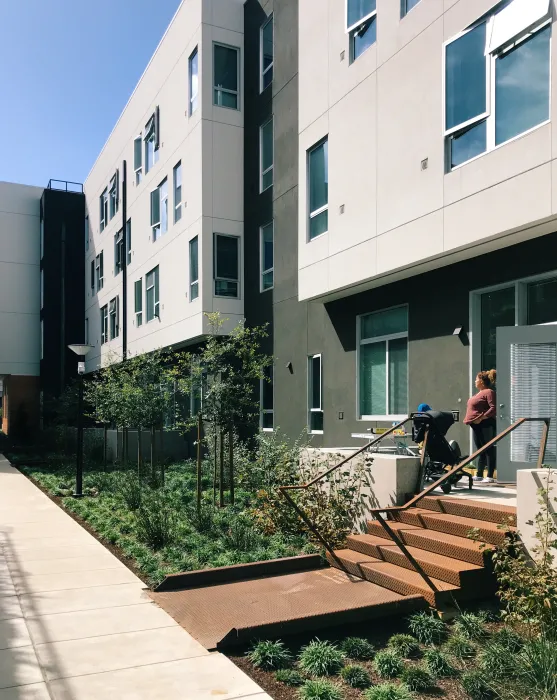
234,613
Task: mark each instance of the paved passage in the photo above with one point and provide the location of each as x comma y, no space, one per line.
76,624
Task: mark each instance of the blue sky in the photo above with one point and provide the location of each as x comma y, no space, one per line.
67,69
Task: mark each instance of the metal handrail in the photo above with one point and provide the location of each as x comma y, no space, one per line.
377,512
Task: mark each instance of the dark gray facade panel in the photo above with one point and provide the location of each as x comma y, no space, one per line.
286,247
285,110
286,45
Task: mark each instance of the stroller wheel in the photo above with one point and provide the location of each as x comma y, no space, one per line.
446,488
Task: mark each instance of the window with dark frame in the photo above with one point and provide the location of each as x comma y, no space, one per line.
113,313
318,185
266,420
226,265
266,53
226,80
119,253
266,155
152,294
267,256
99,269
104,324
113,194
315,394
361,26
194,80
138,303
104,209
177,182
194,268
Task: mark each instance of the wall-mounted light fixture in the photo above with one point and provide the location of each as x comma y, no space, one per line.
290,368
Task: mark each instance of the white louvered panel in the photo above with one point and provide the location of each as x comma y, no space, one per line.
533,395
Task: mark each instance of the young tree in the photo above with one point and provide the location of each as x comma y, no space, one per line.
225,374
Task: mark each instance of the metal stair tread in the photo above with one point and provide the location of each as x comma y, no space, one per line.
419,554
392,570
471,523
493,512
444,537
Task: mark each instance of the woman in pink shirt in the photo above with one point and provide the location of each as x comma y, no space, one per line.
480,416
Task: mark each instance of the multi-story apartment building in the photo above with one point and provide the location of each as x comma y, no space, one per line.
372,178
165,196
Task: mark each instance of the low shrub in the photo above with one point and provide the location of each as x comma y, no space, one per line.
418,679
320,690
321,658
129,488
388,664
509,639
438,664
496,662
289,676
270,655
356,676
460,647
477,686
155,522
427,628
388,691
471,626
536,667
357,648
404,644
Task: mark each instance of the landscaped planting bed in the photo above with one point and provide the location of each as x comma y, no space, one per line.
475,657
158,531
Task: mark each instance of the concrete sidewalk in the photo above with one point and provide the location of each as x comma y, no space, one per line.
76,624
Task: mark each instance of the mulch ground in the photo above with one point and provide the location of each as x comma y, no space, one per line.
378,633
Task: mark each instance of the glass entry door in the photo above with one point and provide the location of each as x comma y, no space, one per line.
526,388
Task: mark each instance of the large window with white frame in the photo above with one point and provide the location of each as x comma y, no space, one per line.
315,394
383,364
266,414
525,302
159,210
103,203
138,158
318,189
497,80
226,76
152,303
406,6
151,140
226,265
193,80
266,244
361,25
177,186
266,155
119,252
138,302
194,268
266,56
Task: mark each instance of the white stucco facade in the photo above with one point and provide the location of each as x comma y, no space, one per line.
19,279
395,208
209,145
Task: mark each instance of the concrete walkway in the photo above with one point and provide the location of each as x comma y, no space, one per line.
76,624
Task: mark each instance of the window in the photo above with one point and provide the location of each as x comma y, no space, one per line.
194,80
498,309
226,61
151,141
42,339
99,268
177,179
315,394
267,50
42,288
113,194
266,415
104,209
118,252
194,268
113,317
129,240
152,294
542,302
138,292
501,52
383,364
159,210
361,25
318,185
41,241
266,248
86,233
138,158
226,265
92,276
266,155
406,6
86,331
104,325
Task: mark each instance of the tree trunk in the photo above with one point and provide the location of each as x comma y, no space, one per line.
221,470
105,446
215,439
199,428
231,461
139,455
153,453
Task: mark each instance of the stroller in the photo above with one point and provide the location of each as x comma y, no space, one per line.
439,455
